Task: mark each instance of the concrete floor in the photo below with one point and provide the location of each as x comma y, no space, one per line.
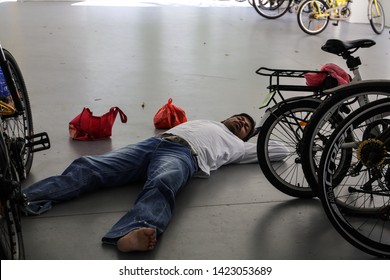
75,56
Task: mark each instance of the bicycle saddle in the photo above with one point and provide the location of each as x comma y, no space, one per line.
339,47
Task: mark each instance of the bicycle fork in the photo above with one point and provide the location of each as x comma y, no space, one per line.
377,10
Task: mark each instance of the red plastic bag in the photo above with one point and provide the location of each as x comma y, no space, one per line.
169,116
317,79
86,126
337,72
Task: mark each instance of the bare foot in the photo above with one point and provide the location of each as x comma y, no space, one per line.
142,239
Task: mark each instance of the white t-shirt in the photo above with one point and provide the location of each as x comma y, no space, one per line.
215,145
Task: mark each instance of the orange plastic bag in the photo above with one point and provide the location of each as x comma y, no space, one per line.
86,126
169,116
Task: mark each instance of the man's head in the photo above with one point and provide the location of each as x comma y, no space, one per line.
242,125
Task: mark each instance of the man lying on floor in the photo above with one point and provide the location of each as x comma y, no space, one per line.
164,163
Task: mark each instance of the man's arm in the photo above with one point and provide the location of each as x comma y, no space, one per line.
277,152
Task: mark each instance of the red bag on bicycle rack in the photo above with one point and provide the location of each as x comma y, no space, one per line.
335,71
169,116
86,126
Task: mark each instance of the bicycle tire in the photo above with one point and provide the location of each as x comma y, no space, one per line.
11,239
321,125
306,16
285,125
20,126
359,207
11,244
271,9
377,22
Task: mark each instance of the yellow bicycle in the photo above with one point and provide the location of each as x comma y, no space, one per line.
314,15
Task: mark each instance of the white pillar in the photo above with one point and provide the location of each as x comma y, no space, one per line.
359,11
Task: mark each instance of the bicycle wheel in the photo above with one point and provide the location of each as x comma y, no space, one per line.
11,240
327,117
285,125
20,126
271,9
376,16
359,206
312,18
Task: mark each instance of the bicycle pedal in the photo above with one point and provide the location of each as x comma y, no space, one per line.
38,142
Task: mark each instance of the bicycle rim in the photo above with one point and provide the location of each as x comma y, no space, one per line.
359,206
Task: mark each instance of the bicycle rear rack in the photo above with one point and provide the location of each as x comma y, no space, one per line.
275,85
275,75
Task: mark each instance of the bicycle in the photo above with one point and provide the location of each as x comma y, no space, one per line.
314,15
341,101
286,121
358,206
272,9
17,145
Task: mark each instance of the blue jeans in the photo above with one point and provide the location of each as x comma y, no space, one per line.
164,166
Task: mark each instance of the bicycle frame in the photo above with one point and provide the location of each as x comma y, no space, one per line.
378,11
334,11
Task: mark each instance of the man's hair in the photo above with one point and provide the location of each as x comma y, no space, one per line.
253,123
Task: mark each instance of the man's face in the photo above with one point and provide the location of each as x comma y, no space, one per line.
239,125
